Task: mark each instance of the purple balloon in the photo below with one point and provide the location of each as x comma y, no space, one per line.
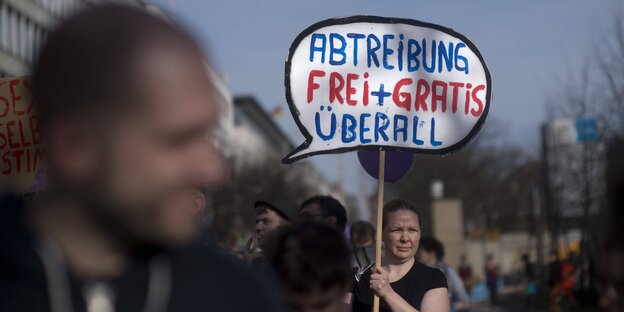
397,164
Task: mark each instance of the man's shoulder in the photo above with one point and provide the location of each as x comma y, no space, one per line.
206,276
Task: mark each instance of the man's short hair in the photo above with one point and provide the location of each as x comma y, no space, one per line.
85,65
331,207
431,244
310,256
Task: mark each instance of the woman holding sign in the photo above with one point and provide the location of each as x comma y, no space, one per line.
402,283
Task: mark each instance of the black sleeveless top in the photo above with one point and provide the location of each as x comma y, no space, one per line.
411,287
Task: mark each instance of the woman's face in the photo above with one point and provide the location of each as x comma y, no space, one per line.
402,234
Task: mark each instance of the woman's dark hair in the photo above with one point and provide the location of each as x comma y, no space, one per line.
310,256
399,204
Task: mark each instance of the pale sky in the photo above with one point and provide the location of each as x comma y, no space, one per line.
528,46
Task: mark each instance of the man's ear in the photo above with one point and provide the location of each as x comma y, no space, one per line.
71,150
331,220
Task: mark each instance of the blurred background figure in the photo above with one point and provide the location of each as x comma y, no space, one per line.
529,280
362,235
324,209
125,109
492,273
431,253
465,272
612,294
271,214
312,261
401,282
554,281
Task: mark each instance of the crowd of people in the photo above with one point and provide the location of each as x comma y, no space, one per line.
126,111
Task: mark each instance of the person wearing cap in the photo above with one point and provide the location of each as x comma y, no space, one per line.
272,213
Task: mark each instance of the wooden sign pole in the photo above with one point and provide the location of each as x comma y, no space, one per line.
380,202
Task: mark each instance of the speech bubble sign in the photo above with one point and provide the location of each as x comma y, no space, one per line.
368,82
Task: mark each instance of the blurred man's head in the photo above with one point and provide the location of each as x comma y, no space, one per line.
362,234
127,112
324,209
313,262
190,202
430,252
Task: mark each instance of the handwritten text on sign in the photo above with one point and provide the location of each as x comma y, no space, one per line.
21,156
365,82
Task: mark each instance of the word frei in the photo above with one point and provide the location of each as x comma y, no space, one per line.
365,82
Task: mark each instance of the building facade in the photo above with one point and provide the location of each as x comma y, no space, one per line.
23,28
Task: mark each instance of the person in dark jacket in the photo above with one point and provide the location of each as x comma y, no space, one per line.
126,109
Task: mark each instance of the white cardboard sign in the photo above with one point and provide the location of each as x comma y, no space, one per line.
367,82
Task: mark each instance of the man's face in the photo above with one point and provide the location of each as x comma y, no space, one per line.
313,212
160,148
267,221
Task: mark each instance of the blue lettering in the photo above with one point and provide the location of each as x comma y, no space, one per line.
332,127
400,129
314,48
364,129
432,140
348,128
387,51
415,139
355,45
461,58
381,125
371,51
433,55
400,52
412,55
448,57
333,50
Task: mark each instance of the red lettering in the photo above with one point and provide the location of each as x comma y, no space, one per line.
334,89
27,87
456,86
15,98
365,99
476,99
18,159
7,162
467,101
406,101
25,142
10,134
421,97
311,84
34,130
3,138
435,96
350,90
